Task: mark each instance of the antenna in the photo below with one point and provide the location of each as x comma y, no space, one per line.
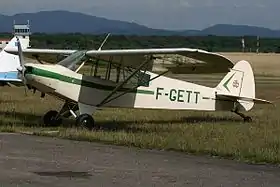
258,44
243,44
99,49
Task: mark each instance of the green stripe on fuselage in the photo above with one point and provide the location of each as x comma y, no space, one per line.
57,76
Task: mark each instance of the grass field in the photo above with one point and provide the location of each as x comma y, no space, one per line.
220,134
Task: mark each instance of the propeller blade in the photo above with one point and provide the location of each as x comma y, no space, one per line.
20,55
22,68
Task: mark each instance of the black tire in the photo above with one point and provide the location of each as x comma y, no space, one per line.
51,120
85,121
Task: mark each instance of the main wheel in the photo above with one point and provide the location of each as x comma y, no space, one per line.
51,119
86,121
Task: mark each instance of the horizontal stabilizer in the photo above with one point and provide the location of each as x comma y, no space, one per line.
234,98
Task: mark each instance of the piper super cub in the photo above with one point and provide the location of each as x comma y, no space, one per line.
133,85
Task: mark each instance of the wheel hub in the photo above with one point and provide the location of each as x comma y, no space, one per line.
86,121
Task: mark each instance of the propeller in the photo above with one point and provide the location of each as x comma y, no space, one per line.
22,70
22,67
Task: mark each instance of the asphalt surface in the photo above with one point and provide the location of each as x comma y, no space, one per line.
41,161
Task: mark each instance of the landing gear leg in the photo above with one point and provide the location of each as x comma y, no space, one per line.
245,118
54,118
84,120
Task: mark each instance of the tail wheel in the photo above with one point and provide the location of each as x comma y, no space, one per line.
248,119
86,121
52,119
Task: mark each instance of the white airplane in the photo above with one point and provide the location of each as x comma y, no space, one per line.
10,62
235,93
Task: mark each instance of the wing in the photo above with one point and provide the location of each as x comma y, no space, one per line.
211,62
34,51
49,55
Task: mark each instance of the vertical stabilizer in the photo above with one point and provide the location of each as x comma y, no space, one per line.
239,83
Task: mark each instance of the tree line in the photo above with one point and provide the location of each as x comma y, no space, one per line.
209,43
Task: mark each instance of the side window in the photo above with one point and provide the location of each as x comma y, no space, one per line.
144,79
28,70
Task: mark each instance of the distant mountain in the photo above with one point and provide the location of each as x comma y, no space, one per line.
239,30
73,22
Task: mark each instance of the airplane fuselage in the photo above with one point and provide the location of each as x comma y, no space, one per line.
162,92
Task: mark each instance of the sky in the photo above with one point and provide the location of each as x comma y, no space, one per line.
163,14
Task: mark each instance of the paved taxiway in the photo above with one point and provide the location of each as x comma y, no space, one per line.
41,161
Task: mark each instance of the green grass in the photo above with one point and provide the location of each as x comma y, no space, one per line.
214,133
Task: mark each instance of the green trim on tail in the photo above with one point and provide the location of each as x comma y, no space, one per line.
226,83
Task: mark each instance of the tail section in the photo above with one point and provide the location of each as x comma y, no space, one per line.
239,85
239,81
10,62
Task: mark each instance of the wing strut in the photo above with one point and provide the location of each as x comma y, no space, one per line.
132,89
82,64
122,83
99,49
